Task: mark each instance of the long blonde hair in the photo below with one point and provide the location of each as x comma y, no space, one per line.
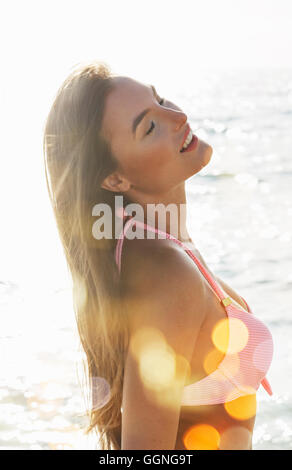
77,159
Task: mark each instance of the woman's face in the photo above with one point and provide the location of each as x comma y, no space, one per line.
148,154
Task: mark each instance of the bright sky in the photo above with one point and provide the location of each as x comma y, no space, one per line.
156,41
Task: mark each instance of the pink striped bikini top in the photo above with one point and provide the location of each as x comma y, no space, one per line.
241,371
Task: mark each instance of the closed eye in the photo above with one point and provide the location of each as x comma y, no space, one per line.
152,123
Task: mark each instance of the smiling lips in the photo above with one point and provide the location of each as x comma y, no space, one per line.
185,135
189,141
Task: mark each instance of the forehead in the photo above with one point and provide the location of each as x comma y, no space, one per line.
127,98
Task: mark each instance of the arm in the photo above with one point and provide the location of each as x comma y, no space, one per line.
165,296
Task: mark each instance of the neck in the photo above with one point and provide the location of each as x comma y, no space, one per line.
169,216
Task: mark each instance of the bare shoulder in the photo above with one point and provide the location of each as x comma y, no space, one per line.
163,288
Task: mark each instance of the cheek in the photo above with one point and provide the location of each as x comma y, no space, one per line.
149,161
159,156
151,166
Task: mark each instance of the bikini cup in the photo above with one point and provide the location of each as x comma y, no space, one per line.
243,367
245,364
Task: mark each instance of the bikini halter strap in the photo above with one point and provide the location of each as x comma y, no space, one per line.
223,299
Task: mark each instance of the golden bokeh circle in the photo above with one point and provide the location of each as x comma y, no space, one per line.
201,437
157,367
226,342
212,360
244,407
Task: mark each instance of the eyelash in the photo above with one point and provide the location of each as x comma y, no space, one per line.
152,124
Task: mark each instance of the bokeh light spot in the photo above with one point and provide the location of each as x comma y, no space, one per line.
157,361
212,360
235,438
230,335
243,407
101,392
157,367
171,396
201,437
146,338
220,335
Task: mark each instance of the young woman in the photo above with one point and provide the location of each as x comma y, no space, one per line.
175,356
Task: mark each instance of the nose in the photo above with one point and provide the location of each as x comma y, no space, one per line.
177,117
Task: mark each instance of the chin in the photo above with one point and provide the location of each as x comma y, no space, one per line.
202,158
206,152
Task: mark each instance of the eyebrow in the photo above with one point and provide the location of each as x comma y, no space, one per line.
140,116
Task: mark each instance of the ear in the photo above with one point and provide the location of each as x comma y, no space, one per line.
115,182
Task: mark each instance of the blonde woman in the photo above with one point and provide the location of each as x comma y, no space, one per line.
174,355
